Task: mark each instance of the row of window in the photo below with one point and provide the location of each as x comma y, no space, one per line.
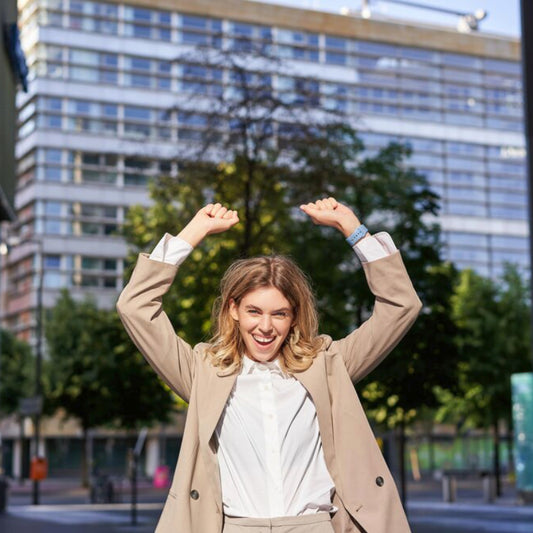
452,163
192,29
66,271
487,254
467,185
105,67
452,155
143,123
54,217
89,168
451,168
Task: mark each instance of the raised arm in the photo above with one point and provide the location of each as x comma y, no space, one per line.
140,303
396,305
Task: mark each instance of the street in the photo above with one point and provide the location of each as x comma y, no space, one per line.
438,517
65,509
424,517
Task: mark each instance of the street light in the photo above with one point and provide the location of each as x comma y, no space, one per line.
3,252
467,21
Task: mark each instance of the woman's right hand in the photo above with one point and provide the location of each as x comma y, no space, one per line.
211,219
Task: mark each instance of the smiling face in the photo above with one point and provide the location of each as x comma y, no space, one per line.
264,318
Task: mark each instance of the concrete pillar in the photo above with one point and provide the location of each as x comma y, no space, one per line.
152,455
489,488
17,454
449,488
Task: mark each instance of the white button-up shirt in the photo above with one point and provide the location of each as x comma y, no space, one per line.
269,446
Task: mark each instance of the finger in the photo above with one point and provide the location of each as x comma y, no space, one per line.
221,212
320,204
333,201
215,209
228,214
328,203
208,208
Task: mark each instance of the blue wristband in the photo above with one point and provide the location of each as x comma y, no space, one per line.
357,235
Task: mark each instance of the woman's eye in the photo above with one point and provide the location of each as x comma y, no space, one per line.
253,311
281,315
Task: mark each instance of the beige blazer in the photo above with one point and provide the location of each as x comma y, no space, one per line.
365,491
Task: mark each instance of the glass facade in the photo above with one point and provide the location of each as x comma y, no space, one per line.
121,66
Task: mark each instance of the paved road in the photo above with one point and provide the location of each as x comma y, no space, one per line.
436,517
65,509
63,519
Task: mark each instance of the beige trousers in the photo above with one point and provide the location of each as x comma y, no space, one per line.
309,523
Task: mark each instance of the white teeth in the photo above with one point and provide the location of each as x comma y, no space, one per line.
263,339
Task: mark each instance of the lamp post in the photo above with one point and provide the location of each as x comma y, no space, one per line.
38,365
467,21
526,11
3,252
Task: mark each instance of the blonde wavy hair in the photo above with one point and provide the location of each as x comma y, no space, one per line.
302,343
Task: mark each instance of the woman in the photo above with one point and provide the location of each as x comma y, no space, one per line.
275,438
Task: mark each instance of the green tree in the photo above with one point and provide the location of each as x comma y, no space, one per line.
259,195
17,372
493,317
387,194
95,373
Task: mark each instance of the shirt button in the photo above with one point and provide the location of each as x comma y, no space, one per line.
194,494
379,481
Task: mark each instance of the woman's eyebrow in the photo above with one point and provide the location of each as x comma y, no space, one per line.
250,306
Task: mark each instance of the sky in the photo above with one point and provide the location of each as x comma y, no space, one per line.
503,15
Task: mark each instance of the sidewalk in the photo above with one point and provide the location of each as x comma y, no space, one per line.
68,491
469,491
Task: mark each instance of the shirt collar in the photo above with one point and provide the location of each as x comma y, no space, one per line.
252,367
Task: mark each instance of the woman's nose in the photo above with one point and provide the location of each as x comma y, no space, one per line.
266,323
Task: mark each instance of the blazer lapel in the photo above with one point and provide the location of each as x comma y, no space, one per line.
210,406
314,379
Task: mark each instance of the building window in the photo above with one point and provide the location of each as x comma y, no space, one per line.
203,31
52,261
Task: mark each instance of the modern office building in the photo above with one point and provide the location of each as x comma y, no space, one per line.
95,125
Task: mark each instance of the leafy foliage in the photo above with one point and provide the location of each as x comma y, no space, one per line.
386,193
95,373
17,372
494,342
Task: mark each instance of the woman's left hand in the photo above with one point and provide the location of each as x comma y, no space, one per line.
329,212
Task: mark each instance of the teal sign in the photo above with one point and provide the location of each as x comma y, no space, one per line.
522,395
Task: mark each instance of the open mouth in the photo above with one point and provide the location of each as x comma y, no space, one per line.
263,341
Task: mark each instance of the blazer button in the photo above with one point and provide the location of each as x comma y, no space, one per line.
194,494
379,481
